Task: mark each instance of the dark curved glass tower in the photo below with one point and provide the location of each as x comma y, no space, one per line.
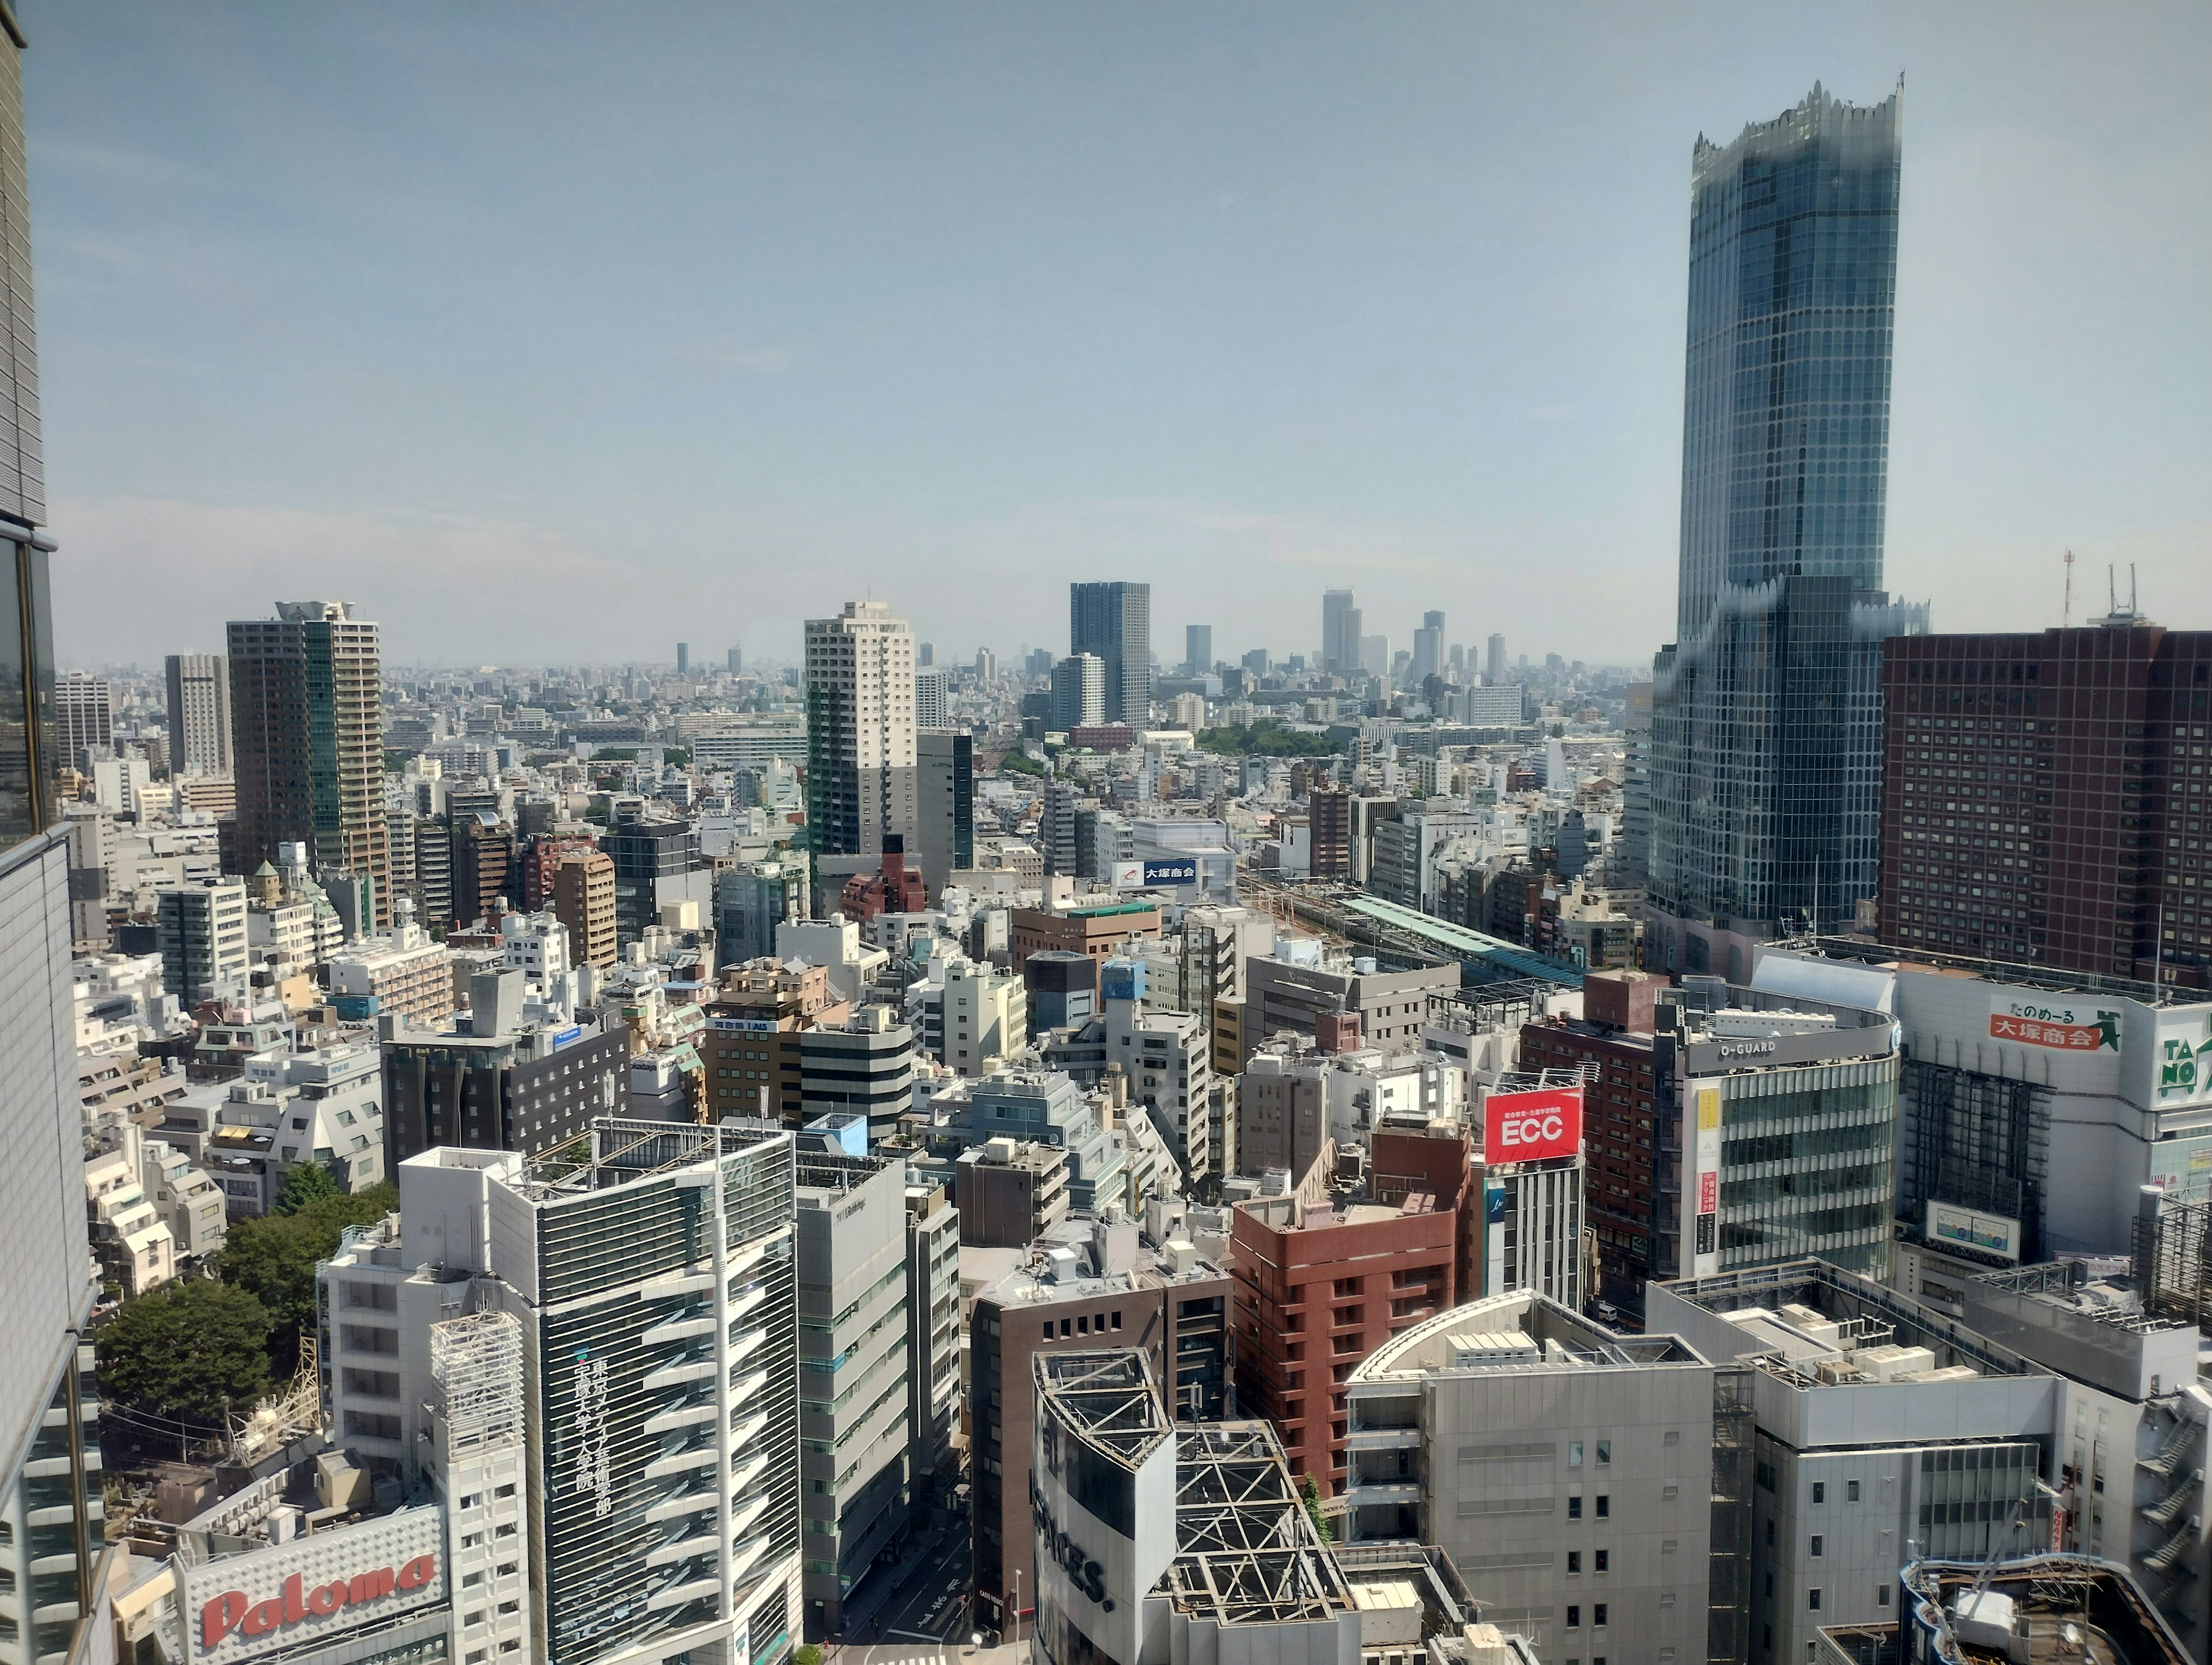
1766,707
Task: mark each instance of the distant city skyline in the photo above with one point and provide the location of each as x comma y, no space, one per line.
956,307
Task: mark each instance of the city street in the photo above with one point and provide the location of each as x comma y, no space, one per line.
924,1606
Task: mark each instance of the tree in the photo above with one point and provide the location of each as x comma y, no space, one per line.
308,1184
273,1259
191,1351
1309,1494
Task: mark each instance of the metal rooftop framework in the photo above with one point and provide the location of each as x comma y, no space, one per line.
1108,1400
621,1149
2170,1261
1233,1491
1248,1552
477,1362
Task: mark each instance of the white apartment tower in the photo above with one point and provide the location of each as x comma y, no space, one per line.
861,730
199,714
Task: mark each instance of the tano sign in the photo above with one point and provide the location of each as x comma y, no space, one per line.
1532,1126
234,1610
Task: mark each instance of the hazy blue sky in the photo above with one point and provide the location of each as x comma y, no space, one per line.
554,332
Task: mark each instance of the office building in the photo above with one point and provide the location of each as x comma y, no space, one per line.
1428,648
1197,649
1194,1544
945,804
583,899
2033,1107
199,714
654,1285
1042,1107
859,730
861,1065
1884,1433
202,928
1612,1046
1099,929
307,739
1391,1005
986,1016
2129,1477
1339,634
853,1367
1784,1110
1115,621
932,696
682,659
1078,692
1166,1058
733,661
1009,1192
748,741
933,1344
1590,1485
1374,656
84,718
1766,707
1063,988
515,1080
49,1479
986,665
655,863
1493,664
1633,846
751,901
1099,1283
2042,801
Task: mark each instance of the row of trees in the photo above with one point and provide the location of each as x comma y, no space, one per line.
194,1350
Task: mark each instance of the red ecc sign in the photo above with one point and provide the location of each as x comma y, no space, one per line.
1532,1126
234,1611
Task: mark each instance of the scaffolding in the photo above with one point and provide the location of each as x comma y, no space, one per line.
2170,1261
477,1362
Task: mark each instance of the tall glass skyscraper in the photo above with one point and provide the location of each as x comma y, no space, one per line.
1766,707
1115,621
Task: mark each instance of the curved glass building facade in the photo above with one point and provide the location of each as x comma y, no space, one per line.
1765,721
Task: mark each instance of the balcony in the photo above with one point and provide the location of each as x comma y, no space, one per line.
704,1455
680,1328
697,1590
676,1508
1383,1439
688,1369
1363,1494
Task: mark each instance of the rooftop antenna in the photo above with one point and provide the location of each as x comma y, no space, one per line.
2112,587
2132,589
2066,614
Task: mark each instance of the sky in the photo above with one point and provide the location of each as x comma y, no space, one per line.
556,333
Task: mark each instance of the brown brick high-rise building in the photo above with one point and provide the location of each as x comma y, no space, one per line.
584,901
2044,799
1321,1284
1328,822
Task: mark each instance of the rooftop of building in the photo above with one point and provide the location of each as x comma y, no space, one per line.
1518,1331
1810,1325
1110,1401
1086,1255
2038,1610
